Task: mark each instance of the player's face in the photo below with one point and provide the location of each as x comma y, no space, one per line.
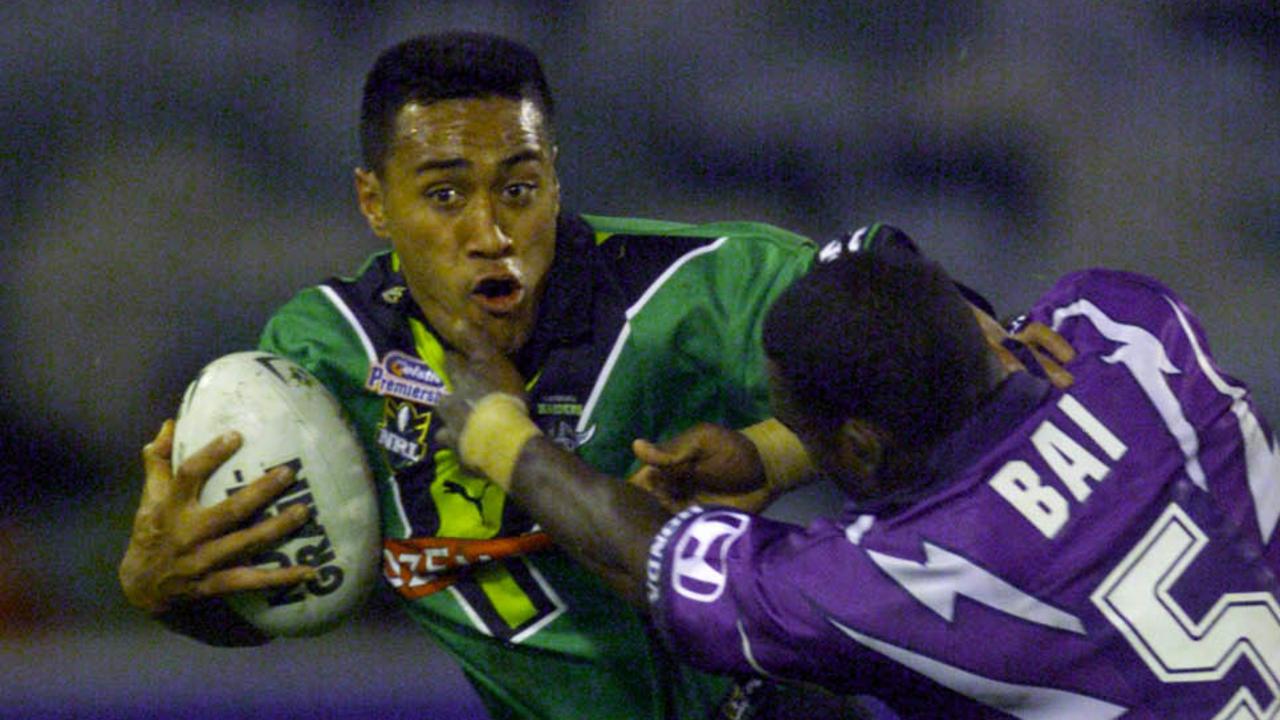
830,445
468,198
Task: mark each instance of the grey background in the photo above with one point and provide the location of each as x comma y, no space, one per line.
173,171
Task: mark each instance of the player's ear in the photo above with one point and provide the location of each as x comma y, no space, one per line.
370,198
861,447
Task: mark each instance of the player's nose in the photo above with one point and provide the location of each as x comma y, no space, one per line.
486,238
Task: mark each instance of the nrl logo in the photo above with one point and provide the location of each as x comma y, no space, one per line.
558,417
403,433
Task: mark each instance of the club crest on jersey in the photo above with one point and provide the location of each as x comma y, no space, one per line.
403,433
557,417
403,376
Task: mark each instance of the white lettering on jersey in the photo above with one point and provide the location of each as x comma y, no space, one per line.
1135,598
1071,462
1262,456
1042,505
653,574
830,251
945,575
1028,702
1097,432
856,240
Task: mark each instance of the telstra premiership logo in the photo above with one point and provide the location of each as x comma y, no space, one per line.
406,377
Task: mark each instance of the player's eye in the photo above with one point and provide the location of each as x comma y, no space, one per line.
519,192
444,196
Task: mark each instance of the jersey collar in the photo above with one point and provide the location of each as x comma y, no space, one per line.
564,311
1016,398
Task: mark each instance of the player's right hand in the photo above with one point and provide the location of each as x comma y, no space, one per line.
180,550
707,464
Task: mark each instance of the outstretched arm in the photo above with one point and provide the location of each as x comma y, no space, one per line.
603,522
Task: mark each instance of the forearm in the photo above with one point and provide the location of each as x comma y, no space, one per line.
605,523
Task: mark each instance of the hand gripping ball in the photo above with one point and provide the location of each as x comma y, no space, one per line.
287,417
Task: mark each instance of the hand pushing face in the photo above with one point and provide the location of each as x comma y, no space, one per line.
479,369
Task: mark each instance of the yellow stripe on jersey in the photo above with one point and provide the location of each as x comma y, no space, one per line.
510,600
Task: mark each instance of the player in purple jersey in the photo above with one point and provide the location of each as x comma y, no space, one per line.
1009,549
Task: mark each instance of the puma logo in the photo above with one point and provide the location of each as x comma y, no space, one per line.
455,488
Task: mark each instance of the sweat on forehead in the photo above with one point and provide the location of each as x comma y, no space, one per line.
513,122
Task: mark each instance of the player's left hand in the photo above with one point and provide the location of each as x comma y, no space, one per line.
475,371
181,551
706,464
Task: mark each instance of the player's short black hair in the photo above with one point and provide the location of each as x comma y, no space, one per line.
884,337
445,66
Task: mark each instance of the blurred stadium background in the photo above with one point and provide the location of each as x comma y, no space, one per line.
174,171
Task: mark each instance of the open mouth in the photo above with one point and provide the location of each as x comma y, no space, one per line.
498,294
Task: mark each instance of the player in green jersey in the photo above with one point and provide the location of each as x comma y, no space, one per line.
628,328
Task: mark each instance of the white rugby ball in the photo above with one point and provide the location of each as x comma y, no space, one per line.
286,416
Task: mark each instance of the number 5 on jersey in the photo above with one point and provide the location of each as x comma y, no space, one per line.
1136,599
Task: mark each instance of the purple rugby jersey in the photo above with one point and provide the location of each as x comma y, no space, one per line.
1106,552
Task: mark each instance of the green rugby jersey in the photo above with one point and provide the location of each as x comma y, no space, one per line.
645,328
